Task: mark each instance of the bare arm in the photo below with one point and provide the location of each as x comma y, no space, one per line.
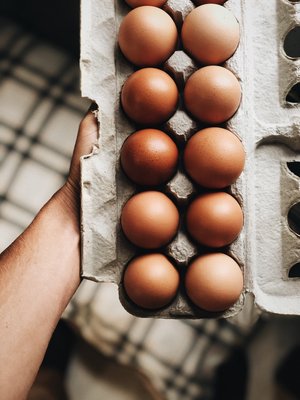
39,273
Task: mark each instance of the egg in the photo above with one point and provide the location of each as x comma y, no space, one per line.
210,34
200,2
150,219
149,157
214,157
147,36
151,281
214,282
212,94
138,3
149,96
214,219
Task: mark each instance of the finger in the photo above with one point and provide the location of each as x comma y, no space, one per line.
87,137
88,133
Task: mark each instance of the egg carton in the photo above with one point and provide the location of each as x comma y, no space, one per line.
267,124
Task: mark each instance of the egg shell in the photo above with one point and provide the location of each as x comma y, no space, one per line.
212,94
150,219
210,34
149,96
147,36
214,282
214,219
214,157
149,157
151,281
139,3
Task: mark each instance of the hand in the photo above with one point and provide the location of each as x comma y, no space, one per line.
39,274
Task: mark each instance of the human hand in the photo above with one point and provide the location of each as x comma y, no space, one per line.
39,273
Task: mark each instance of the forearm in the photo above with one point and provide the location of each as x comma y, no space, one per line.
39,273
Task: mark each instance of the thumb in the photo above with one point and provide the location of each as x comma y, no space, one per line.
87,137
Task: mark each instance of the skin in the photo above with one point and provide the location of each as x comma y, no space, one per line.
39,274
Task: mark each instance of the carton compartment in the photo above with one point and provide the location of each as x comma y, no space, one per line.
293,95
294,271
291,42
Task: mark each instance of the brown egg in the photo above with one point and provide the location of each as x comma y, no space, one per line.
214,157
200,2
149,96
214,282
212,94
138,3
214,219
149,157
151,281
210,34
147,36
150,219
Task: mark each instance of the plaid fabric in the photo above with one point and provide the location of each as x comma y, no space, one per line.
40,109
179,356
39,116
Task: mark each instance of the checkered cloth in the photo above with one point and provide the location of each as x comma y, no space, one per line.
179,356
40,109
39,116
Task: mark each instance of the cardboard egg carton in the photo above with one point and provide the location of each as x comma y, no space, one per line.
268,126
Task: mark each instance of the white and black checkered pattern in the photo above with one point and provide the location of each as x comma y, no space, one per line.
40,110
180,356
